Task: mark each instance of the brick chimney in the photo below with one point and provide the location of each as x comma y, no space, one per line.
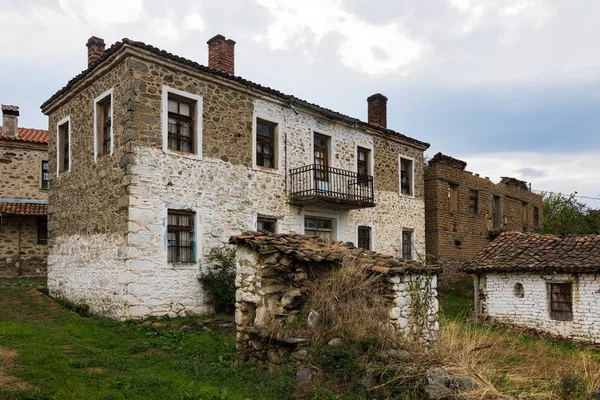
10,121
96,48
221,54
377,110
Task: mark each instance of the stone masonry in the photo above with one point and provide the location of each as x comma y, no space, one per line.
458,235
108,218
274,272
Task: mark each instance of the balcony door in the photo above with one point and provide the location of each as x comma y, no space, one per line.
321,161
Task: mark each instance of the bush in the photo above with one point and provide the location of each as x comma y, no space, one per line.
219,280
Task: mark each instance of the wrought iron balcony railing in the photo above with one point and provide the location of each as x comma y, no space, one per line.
318,184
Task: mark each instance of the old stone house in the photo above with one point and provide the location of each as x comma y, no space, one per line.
465,212
23,197
154,159
542,282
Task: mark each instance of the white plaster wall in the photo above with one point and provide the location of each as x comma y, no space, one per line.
532,311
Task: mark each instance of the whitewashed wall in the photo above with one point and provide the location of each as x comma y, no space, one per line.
532,310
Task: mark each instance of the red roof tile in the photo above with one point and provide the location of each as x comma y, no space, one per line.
28,135
23,209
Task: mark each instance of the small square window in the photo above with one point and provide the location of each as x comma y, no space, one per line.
266,224
406,176
364,237
266,144
181,237
458,242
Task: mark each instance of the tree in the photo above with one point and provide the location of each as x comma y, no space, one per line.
564,215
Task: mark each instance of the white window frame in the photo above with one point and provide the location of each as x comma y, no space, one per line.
334,226
97,100
256,216
330,146
367,224
371,158
197,235
278,142
413,250
412,176
66,119
197,155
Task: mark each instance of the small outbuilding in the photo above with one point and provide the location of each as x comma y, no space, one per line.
542,282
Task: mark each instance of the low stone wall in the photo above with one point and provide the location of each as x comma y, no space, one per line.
272,280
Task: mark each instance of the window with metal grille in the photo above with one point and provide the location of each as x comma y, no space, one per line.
406,176
473,201
266,224
536,216
104,123
45,174
561,301
319,227
407,244
63,147
181,125
364,237
181,241
265,143
42,231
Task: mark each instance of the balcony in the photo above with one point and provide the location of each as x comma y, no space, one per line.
326,186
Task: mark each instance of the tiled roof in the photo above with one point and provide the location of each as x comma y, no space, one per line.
23,209
531,252
194,65
444,159
28,135
312,249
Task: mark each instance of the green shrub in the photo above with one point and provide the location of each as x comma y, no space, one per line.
219,280
338,362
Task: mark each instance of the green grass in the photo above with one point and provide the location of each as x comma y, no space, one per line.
66,356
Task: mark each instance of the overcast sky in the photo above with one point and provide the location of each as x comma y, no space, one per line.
510,86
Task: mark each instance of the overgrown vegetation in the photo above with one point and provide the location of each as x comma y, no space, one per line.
219,279
53,353
565,215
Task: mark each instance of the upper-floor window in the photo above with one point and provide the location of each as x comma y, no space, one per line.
181,238
63,145
103,129
536,216
44,184
524,213
364,237
406,176
181,121
473,201
266,144
266,224
42,230
321,157
407,244
496,213
453,196
362,161
321,227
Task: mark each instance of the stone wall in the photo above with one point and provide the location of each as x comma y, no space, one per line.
272,287
500,302
459,235
33,255
21,170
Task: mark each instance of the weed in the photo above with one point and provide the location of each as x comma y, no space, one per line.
219,279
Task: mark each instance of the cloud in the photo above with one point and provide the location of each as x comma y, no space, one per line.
365,47
531,173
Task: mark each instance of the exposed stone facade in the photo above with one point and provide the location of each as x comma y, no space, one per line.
273,276
501,302
458,235
117,208
20,181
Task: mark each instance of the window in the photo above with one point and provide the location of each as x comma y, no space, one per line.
524,214
457,242
561,303
63,146
362,161
518,290
181,240
453,196
319,227
42,231
45,174
473,201
406,178
536,216
103,129
407,244
266,224
496,213
181,123
364,237
321,157
265,144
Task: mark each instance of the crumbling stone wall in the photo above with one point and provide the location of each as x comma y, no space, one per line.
459,235
271,285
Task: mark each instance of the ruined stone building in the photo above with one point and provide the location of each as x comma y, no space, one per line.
23,197
155,159
465,212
